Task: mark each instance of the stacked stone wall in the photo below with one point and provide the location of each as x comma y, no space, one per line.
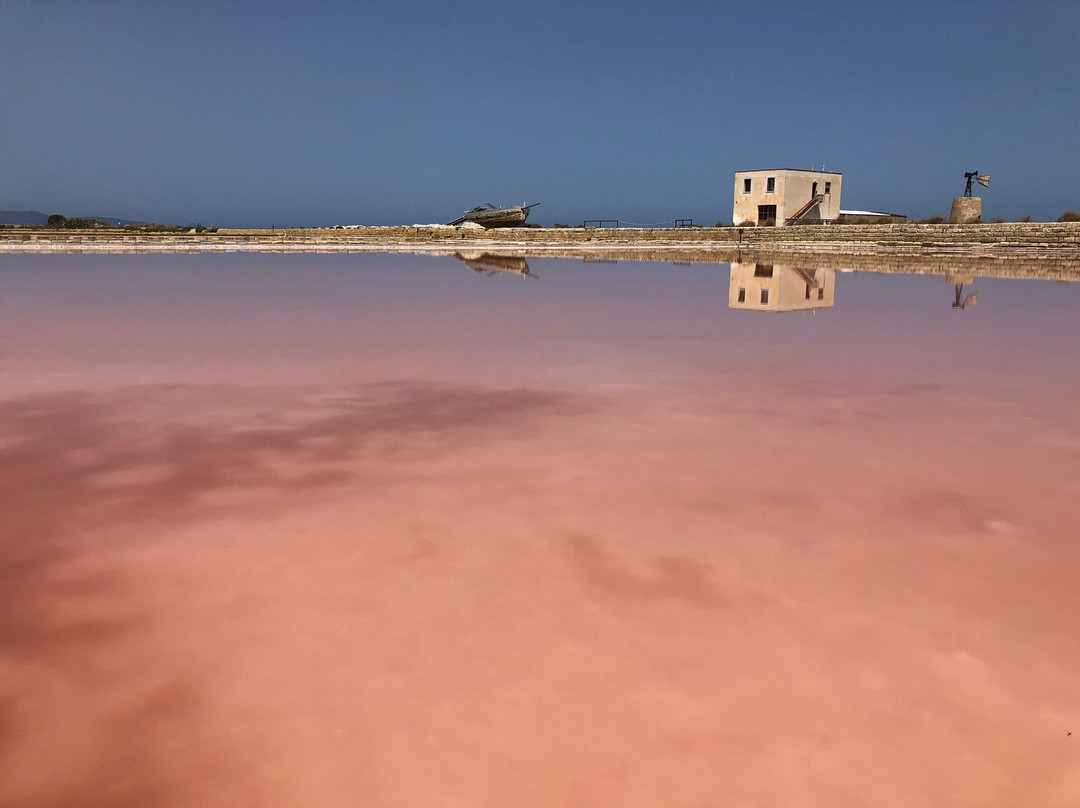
1060,239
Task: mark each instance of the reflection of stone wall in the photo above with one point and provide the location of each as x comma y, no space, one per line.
1019,266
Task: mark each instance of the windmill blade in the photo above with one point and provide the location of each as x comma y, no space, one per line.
983,180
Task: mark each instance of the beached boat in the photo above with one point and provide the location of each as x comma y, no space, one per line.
491,216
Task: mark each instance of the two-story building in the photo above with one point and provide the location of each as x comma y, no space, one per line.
779,196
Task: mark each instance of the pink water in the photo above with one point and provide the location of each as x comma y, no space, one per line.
381,531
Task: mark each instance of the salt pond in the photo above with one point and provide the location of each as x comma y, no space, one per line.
394,530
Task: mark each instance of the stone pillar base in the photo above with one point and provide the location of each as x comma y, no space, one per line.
966,210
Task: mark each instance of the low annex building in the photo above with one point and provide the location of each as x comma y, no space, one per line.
780,196
871,217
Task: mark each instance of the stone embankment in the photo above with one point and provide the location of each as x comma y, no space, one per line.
1040,249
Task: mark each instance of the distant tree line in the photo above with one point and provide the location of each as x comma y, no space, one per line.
58,220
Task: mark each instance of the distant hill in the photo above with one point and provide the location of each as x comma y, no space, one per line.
37,217
22,217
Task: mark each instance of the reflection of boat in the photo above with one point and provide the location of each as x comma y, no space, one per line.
492,263
491,216
776,287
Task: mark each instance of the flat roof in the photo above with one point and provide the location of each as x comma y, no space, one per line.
800,170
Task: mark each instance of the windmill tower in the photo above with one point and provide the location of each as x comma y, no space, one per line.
967,209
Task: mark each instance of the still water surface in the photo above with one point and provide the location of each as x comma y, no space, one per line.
398,530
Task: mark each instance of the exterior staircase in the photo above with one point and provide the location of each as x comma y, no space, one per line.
817,199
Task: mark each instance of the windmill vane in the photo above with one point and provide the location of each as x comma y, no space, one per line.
982,179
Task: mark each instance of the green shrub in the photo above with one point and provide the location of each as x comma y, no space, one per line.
150,227
1069,216
932,220
1025,219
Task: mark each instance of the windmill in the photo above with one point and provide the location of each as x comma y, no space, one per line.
982,179
967,209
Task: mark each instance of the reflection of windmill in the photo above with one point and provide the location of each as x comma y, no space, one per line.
962,303
958,279
982,179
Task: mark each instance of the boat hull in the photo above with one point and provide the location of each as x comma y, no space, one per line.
495,217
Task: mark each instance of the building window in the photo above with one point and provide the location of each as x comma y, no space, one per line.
762,270
764,297
820,294
742,295
807,291
828,187
770,185
747,184
766,215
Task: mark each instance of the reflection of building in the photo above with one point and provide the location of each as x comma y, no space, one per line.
780,287
783,195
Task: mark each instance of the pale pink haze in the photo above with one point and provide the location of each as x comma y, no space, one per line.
382,531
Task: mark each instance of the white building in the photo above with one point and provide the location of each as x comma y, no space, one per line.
780,196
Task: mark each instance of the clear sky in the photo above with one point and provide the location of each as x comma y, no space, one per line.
259,114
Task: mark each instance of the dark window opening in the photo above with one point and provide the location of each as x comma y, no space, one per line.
746,185
742,295
828,187
764,296
766,215
820,294
770,185
813,189
807,291
762,270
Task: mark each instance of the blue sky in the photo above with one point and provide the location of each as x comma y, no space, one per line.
259,114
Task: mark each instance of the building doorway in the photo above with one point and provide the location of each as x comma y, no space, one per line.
766,215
